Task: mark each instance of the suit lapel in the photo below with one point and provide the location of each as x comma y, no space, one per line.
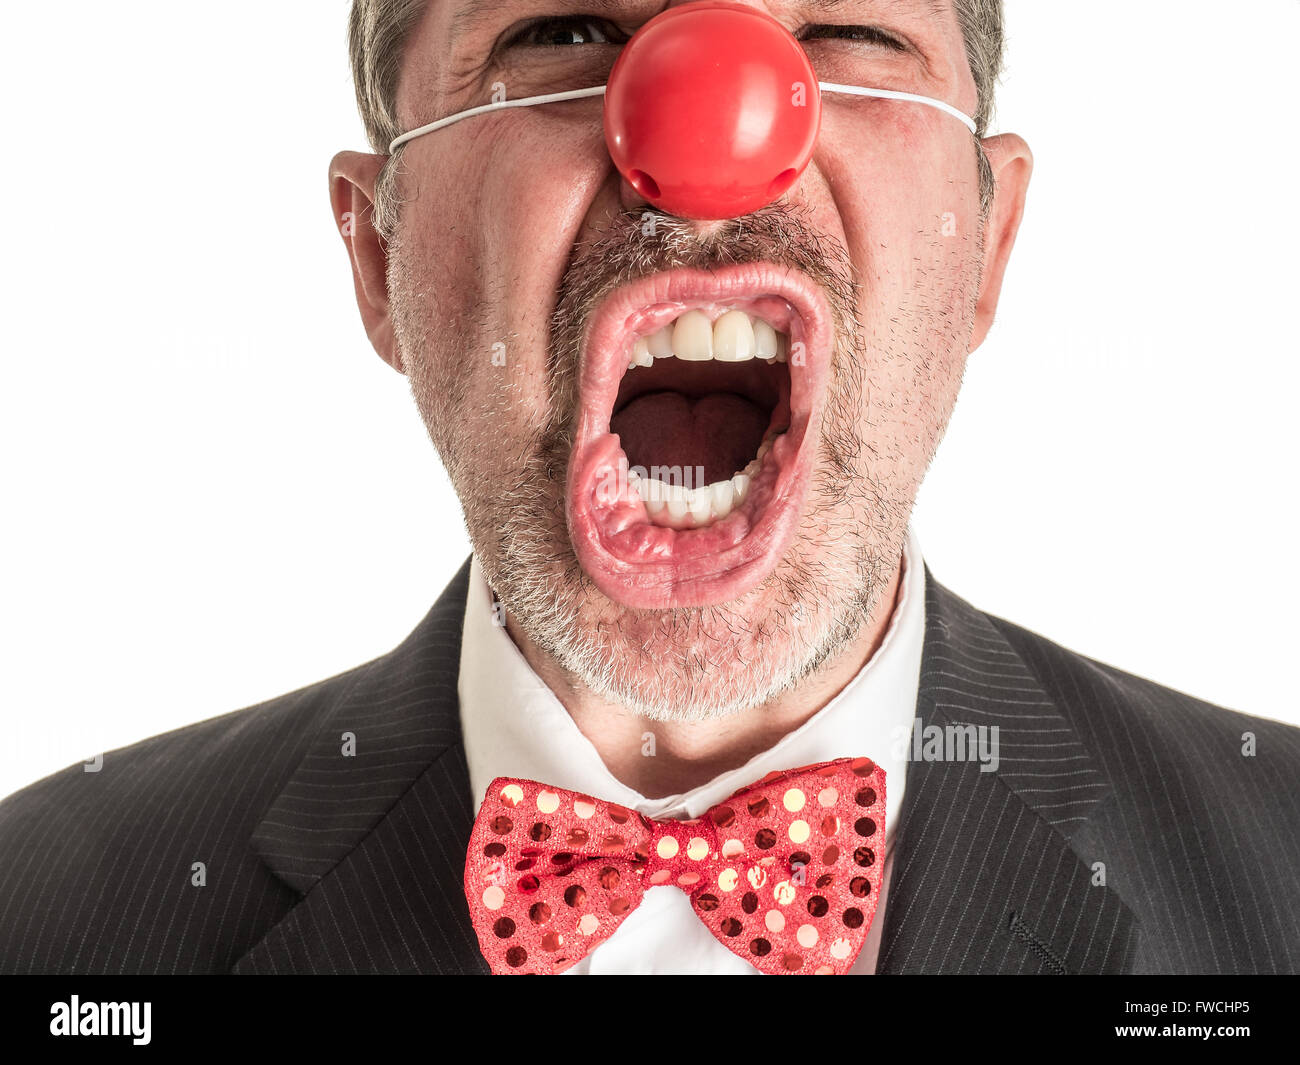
992,871
374,841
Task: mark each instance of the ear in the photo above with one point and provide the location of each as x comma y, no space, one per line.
1012,164
352,194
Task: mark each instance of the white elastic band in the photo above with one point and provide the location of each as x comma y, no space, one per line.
523,101
911,97
599,90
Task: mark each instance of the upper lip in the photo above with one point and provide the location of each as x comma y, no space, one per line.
621,316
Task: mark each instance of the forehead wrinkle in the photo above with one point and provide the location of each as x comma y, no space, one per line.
473,13
937,8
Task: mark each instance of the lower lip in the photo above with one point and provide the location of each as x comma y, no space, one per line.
647,566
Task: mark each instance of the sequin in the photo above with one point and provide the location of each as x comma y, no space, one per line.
538,873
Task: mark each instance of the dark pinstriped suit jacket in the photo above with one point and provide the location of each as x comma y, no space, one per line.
320,863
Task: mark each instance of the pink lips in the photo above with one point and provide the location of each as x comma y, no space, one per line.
647,566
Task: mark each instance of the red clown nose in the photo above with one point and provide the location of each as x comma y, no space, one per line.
712,110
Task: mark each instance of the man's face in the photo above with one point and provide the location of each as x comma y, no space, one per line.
525,270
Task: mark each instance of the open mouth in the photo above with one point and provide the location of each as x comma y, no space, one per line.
692,457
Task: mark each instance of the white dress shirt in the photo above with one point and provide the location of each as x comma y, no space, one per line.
514,725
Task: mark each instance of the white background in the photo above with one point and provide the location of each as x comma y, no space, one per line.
214,492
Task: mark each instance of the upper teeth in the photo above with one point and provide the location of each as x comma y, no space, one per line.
734,337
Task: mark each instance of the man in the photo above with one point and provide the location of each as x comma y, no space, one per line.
687,447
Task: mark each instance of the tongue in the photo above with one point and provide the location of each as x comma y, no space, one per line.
720,431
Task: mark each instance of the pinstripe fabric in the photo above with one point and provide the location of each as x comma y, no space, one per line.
95,868
319,862
1102,774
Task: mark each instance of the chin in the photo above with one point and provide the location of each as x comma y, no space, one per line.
700,662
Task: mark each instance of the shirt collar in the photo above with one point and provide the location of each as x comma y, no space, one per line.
514,725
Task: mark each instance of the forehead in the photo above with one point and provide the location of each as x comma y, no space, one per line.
453,40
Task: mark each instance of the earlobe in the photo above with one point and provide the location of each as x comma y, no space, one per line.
1012,164
353,176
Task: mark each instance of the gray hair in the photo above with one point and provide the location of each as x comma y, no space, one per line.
378,31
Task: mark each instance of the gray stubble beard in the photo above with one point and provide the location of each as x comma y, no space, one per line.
689,663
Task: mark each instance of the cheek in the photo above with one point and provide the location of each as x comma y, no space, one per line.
902,181
489,225
907,205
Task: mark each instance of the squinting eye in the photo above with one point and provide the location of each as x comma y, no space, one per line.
869,34
563,32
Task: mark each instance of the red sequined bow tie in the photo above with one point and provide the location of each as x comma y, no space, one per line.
785,873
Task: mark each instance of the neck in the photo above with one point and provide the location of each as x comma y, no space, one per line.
691,753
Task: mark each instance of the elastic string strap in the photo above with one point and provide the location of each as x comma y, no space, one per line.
599,90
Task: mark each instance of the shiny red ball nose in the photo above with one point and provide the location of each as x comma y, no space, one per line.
712,110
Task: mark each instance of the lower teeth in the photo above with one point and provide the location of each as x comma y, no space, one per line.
676,506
